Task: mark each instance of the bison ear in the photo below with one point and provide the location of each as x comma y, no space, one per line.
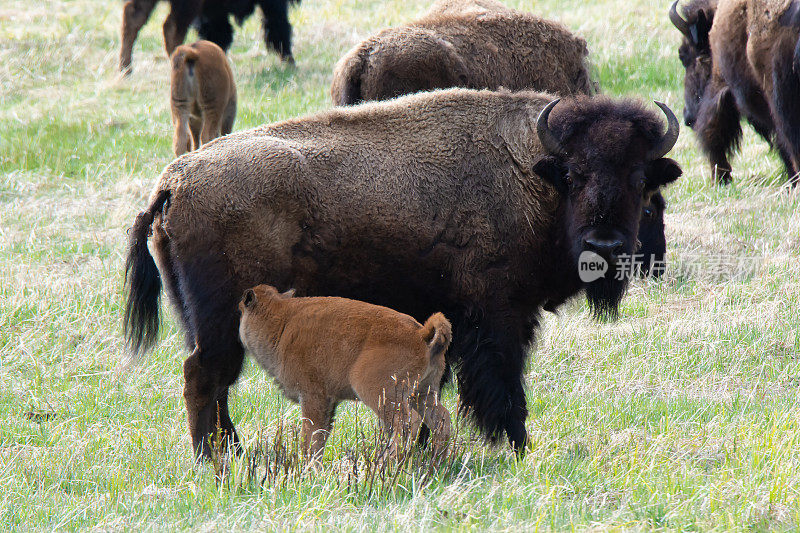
699,30
288,294
249,298
553,171
661,172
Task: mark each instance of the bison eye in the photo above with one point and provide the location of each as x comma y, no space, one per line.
648,212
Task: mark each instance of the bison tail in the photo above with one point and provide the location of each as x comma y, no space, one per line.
346,85
437,334
143,282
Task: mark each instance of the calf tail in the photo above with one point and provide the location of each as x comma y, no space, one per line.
437,334
143,282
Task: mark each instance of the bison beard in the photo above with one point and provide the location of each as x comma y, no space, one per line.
605,294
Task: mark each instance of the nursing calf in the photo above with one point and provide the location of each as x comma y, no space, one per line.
203,95
325,350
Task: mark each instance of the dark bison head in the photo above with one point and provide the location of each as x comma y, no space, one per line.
694,53
607,159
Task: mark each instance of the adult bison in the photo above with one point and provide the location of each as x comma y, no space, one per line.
464,44
740,58
458,201
213,17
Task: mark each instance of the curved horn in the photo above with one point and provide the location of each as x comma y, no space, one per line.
546,137
677,20
670,137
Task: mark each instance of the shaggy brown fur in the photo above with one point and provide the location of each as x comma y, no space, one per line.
739,60
464,44
202,97
444,201
325,350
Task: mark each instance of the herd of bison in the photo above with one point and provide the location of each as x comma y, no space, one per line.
469,165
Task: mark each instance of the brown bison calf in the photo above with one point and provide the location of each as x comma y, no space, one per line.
324,350
476,44
203,97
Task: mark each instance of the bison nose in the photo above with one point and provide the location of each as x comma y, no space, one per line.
688,119
603,247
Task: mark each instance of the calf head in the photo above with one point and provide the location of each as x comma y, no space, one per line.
255,328
694,53
606,158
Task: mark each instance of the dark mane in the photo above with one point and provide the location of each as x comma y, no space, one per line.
576,116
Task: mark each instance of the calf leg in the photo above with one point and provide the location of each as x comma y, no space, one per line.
134,15
196,125
181,139
211,126
390,400
317,412
277,29
228,117
177,23
436,417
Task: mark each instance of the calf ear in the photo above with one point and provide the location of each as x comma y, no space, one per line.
288,294
661,172
553,171
249,298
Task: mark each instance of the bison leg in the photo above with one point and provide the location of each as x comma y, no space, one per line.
215,25
211,126
134,15
719,130
181,140
277,29
786,107
208,375
209,299
317,412
228,117
489,362
196,126
177,23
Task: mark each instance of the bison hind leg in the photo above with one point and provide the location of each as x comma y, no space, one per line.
277,29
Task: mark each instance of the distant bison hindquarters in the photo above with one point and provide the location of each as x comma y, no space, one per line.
213,18
324,350
457,201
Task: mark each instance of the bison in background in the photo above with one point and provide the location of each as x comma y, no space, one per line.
740,58
479,45
458,201
213,18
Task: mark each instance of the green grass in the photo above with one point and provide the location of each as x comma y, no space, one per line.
682,415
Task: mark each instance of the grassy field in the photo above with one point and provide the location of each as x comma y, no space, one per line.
682,415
